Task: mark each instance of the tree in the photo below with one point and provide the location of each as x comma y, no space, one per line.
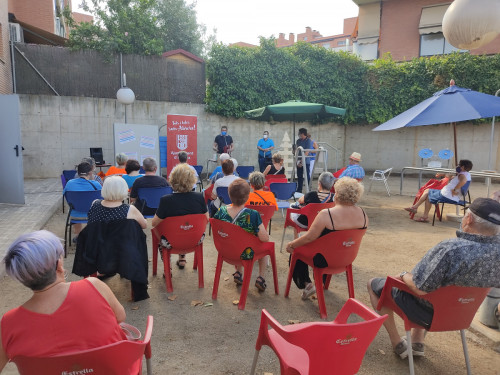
143,27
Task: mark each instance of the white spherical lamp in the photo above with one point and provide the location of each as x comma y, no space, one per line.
469,24
125,95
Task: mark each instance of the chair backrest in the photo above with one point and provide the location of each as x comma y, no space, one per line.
340,248
230,240
335,347
153,195
276,177
464,189
182,232
266,212
63,181
82,200
244,170
283,191
223,194
454,306
279,178
123,357
69,174
313,209
388,172
198,169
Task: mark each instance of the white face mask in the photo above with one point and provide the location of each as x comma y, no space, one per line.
265,136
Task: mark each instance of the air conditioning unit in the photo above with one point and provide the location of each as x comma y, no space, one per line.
16,33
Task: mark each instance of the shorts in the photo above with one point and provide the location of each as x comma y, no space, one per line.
299,220
435,196
414,308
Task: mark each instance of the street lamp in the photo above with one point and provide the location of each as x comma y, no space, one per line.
125,95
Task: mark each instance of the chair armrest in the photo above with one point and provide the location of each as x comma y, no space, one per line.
353,306
390,283
267,320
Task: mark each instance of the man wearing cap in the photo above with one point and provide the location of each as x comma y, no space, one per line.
470,260
354,170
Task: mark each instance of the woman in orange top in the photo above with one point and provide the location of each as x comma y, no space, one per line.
60,316
121,161
259,197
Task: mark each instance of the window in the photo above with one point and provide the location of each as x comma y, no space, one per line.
305,38
435,44
341,43
326,45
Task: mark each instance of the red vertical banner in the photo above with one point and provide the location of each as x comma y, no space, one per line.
182,135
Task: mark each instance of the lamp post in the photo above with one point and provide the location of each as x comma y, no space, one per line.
124,95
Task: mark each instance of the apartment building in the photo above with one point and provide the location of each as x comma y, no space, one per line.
405,29
5,67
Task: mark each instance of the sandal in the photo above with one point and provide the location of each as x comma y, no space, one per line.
422,220
181,263
238,278
260,284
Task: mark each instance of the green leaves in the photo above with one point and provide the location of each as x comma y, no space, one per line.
243,78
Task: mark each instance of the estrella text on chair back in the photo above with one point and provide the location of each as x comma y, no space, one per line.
182,232
340,248
152,196
122,357
231,240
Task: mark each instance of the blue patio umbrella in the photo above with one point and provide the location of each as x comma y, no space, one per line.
449,105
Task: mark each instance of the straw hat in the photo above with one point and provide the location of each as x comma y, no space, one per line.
356,156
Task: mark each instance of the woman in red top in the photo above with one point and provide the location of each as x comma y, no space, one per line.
60,316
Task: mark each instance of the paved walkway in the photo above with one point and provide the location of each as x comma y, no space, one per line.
42,197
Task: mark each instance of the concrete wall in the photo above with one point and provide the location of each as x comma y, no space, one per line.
58,131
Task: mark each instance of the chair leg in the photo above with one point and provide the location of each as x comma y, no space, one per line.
371,183
387,187
350,281
149,367
442,211
410,353
218,270
155,253
195,260
270,221
282,239
436,207
466,351
318,281
199,259
254,363
247,275
166,271
275,272
327,282
290,274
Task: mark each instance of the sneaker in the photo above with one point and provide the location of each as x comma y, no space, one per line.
401,349
417,349
309,290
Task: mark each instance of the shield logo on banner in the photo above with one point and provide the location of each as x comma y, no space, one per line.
182,141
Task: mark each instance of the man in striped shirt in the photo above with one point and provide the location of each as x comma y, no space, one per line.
354,170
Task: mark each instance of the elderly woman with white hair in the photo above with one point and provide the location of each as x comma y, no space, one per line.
114,191
345,215
121,162
60,316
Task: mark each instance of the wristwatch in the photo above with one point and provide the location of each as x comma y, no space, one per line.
402,274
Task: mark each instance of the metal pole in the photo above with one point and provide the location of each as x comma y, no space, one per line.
121,70
13,66
492,136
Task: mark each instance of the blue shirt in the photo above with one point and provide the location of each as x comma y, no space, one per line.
265,143
353,171
130,179
216,170
81,184
306,144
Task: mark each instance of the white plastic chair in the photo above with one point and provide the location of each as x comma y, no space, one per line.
380,175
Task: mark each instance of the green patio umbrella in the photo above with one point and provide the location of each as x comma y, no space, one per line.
294,110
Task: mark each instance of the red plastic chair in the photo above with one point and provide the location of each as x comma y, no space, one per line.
431,184
454,309
274,178
231,241
266,213
183,233
311,211
123,357
339,249
334,347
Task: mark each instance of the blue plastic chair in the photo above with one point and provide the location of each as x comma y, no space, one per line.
79,203
244,171
151,197
283,192
199,169
223,194
463,202
69,174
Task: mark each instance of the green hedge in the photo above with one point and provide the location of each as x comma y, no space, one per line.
246,78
